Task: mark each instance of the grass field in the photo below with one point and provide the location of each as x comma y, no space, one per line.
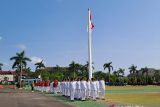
121,96
146,96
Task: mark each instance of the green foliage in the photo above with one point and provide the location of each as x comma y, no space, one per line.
99,75
20,61
157,76
44,74
125,80
109,67
39,65
1,66
58,75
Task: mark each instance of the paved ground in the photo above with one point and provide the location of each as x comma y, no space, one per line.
20,98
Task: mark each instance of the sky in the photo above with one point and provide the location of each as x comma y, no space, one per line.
126,32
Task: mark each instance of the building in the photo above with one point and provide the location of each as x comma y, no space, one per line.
7,76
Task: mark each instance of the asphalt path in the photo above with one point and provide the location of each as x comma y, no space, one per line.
21,98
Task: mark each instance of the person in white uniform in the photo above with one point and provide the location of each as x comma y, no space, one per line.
78,89
62,86
97,86
102,88
93,89
51,86
75,94
72,88
83,89
65,87
59,87
88,91
68,90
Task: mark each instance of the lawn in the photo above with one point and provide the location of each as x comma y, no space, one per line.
121,96
146,96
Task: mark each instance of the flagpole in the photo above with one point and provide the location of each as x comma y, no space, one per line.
89,45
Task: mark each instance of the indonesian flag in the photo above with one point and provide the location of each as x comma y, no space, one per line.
91,26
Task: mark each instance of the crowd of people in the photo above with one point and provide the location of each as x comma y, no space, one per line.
80,89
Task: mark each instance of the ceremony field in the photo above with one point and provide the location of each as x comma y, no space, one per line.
146,96
121,96
116,96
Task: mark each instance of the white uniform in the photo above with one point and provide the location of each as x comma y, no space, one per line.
97,86
88,91
102,88
51,87
93,89
78,90
68,90
72,88
83,89
65,88
59,87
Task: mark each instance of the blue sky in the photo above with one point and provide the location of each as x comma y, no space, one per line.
126,32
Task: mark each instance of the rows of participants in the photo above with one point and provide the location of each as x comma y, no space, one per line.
75,89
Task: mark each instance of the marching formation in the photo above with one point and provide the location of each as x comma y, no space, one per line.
80,89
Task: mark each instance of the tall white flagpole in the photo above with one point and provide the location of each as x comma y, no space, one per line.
89,45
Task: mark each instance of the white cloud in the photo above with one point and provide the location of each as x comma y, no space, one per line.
22,46
6,64
35,59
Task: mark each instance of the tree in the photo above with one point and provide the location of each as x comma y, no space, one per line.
115,73
39,65
29,72
84,69
145,71
87,65
74,67
20,62
120,72
109,67
44,75
57,68
1,66
133,70
99,75
157,76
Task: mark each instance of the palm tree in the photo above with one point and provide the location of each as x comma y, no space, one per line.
20,62
74,67
133,71
39,65
87,65
29,72
145,71
109,67
157,76
1,66
120,72
85,69
115,73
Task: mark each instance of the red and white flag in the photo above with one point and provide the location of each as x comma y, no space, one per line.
91,25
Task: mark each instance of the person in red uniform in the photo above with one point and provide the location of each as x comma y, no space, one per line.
55,86
48,86
39,85
43,86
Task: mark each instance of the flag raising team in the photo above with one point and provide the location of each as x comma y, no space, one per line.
75,89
